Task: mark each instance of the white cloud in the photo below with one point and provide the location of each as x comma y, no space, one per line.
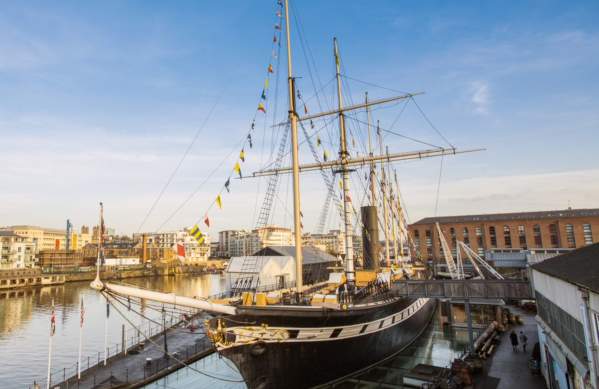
480,96
514,193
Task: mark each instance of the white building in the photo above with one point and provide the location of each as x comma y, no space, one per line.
235,243
274,267
194,252
16,252
567,293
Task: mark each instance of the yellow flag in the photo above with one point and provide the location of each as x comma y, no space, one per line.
219,202
266,83
237,168
242,155
194,230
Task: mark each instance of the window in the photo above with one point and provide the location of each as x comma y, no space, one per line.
553,235
507,236
588,234
453,238
479,237
492,237
536,232
570,235
522,237
429,243
466,236
417,238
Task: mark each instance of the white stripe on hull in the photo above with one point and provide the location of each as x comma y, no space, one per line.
252,334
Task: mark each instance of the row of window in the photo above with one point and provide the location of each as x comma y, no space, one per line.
507,237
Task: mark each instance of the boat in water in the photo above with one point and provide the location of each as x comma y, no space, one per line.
297,335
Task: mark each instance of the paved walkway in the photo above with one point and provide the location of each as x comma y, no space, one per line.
512,367
131,370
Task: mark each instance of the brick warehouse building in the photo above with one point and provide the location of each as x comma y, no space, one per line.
570,228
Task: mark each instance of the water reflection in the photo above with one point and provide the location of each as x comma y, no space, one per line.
25,324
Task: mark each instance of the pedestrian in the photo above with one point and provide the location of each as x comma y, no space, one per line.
340,293
514,340
523,340
345,293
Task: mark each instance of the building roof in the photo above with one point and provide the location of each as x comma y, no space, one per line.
7,233
310,254
590,212
579,267
30,227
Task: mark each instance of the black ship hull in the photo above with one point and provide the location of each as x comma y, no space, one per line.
324,345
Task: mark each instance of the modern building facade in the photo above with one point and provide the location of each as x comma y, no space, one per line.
16,252
235,243
567,294
158,243
43,238
568,229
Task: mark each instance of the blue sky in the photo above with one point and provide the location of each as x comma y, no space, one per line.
100,100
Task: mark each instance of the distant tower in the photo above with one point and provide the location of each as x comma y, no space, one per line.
68,237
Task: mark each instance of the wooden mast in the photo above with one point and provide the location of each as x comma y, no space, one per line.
297,225
344,156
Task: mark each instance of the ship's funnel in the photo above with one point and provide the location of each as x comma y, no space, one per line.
370,237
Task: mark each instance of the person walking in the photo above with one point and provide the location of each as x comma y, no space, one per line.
514,340
340,293
523,340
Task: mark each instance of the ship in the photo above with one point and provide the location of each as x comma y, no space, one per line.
305,335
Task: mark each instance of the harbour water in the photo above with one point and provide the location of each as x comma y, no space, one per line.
25,325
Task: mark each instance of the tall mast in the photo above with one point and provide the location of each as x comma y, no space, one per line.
98,260
343,156
372,166
384,198
391,207
400,220
297,227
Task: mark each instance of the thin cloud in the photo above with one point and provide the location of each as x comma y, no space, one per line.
480,97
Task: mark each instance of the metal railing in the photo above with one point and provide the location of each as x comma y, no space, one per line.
464,289
132,338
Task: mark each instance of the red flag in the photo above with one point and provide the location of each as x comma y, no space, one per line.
52,321
207,221
180,250
82,313
270,69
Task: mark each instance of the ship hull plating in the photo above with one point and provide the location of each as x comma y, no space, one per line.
303,364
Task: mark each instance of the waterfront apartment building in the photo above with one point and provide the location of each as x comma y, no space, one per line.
569,228
43,238
16,252
333,242
160,243
236,243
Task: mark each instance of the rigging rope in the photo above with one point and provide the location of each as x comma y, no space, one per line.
187,150
226,379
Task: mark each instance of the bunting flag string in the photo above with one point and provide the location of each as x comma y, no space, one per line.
248,141
237,169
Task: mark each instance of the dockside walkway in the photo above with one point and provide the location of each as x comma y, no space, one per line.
507,369
137,369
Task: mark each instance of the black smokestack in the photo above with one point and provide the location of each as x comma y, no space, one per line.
370,237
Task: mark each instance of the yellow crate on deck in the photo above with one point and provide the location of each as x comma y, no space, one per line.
260,298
